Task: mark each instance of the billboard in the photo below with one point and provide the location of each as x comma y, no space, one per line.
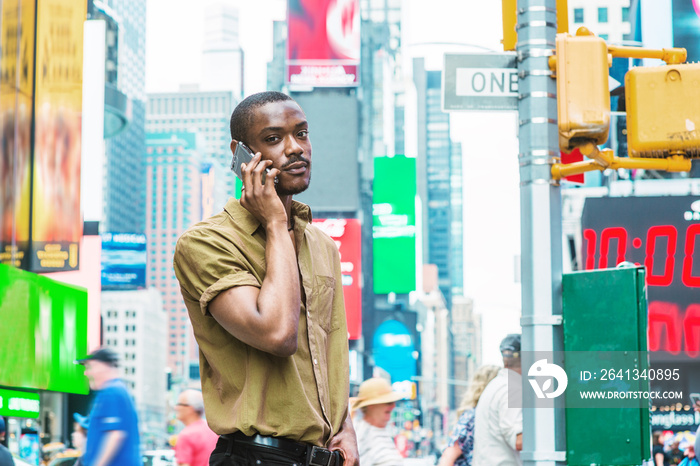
323,43
335,168
40,344
394,224
124,261
16,95
347,235
663,234
56,218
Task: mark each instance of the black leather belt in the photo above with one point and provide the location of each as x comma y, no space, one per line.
316,456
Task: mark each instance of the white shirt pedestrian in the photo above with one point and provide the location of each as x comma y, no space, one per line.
496,425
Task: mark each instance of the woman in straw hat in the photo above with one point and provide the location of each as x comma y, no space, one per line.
376,400
461,445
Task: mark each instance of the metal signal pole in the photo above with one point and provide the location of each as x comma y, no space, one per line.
541,229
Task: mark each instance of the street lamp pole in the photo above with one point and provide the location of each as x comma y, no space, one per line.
540,218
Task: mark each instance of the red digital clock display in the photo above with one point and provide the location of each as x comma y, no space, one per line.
663,234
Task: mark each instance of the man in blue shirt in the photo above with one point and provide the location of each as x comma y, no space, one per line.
5,456
113,434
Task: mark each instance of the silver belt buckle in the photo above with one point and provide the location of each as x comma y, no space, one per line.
320,457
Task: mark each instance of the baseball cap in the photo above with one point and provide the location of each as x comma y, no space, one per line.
103,354
510,346
83,421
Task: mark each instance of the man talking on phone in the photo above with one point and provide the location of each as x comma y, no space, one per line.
263,289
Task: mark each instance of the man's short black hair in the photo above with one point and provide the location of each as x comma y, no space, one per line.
242,116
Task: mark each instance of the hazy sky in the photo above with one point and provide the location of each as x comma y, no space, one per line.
491,196
174,35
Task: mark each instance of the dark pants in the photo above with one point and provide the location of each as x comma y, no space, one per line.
229,452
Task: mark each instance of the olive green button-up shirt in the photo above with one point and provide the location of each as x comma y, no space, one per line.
303,397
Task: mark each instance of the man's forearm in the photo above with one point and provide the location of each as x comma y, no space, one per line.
110,446
279,300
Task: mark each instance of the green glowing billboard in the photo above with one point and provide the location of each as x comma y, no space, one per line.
394,224
43,332
14,403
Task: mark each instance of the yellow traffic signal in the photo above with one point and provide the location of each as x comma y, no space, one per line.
583,95
663,111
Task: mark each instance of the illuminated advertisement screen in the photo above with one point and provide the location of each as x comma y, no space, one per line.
16,79
40,344
124,261
19,404
56,218
662,234
347,235
323,43
394,224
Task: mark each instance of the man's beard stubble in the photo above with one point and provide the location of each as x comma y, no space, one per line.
282,191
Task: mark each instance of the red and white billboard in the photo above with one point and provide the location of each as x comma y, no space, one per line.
323,43
348,237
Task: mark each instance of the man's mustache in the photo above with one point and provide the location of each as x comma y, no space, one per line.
299,158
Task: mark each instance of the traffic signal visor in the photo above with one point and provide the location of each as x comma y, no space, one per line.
583,95
663,111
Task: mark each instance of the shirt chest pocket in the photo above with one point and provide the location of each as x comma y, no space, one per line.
321,306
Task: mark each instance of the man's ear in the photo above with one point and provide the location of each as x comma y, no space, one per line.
234,143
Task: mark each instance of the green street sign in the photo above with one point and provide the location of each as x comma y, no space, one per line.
14,403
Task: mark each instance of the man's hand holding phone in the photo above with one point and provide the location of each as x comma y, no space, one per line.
260,199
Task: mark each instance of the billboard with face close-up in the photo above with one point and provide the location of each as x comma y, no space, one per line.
323,43
56,217
16,79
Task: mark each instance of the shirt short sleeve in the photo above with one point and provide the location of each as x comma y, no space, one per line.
207,263
113,405
184,451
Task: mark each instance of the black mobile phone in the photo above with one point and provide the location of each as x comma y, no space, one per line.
244,155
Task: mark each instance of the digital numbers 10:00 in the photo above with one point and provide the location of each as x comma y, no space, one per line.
667,232
636,374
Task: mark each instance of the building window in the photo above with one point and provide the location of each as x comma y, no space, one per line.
578,15
604,36
625,13
602,15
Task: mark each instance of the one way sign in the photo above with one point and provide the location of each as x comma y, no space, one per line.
480,81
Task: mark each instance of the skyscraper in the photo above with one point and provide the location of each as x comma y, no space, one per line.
439,183
173,193
222,57
207,112
123,174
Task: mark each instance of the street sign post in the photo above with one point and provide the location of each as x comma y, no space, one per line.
544,442
480,81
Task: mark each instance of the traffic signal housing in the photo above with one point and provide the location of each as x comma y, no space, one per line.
663,111
583,94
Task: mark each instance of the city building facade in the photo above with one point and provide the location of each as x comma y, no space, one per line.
174,198
123,174
206,112
134,326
